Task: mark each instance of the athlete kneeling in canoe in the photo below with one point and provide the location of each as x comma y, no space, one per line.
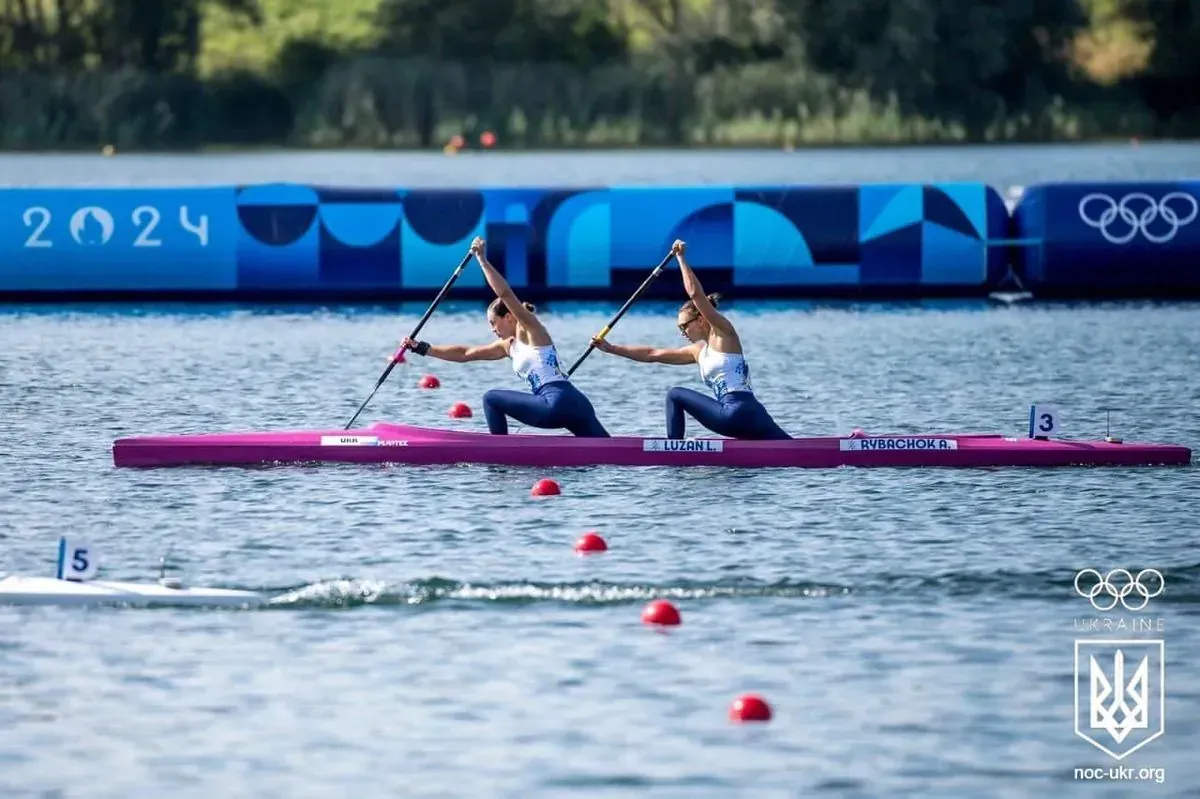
555,403
715,346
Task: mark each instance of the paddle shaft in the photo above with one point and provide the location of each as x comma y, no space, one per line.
628,303
413,335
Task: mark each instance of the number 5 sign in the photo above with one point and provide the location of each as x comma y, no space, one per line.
76,560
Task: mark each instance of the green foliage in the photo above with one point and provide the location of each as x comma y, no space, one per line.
578,73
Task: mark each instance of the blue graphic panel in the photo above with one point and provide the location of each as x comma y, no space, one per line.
894,258
360,240
826,216
1071,238
802,236
102,239
998,228
887,208
579,245
645,222
949,257
278,245
1111,237
577,240
438,227
509,231
961,206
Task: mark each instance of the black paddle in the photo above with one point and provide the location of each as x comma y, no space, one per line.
413,335
608,328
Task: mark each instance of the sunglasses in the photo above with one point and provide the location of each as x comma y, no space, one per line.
685,325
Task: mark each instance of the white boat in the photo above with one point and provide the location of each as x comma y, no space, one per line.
73,585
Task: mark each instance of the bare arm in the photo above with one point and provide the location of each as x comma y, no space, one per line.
460,353
680,356
539,337
695,292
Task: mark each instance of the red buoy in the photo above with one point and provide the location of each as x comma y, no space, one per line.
429,381
460,410
749,707
545,488
590,542
662,612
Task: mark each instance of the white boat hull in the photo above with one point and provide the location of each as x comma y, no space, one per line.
51,591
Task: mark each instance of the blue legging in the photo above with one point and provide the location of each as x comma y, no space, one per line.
740,415
557,405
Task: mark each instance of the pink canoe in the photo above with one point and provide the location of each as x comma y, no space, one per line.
395,443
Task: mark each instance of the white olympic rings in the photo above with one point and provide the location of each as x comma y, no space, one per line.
1139,224
1130,585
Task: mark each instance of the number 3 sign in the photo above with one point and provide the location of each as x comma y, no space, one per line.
1043,421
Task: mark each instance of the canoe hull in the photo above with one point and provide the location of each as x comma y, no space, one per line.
384,443
51,591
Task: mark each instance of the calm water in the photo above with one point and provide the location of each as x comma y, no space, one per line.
438,637
1002,166
435,634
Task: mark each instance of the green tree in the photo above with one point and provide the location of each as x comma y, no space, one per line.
972,62
1170,85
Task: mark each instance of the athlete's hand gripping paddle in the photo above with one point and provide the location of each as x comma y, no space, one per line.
628,303
399,356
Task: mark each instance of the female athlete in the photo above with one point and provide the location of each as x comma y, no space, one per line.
555,403
715,346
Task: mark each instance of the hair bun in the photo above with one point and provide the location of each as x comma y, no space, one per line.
715,299
529,306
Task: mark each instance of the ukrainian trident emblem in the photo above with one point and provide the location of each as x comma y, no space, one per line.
1123,706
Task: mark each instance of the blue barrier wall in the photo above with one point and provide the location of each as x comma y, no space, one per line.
1109,238
292,240
282,241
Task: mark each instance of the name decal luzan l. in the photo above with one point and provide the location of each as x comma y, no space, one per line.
683,445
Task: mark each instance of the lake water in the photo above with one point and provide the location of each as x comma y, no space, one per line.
436,635
1003,166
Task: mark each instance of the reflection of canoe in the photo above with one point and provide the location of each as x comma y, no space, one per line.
52,591
395,443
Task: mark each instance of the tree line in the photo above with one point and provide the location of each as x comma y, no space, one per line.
551,73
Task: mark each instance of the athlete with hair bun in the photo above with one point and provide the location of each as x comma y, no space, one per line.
714,345
555,402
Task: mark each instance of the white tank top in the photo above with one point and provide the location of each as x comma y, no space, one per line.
537,366
723,372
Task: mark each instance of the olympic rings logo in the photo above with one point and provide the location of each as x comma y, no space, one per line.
1175,217
1120,584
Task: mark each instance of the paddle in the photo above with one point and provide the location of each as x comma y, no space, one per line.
608,328
413,335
